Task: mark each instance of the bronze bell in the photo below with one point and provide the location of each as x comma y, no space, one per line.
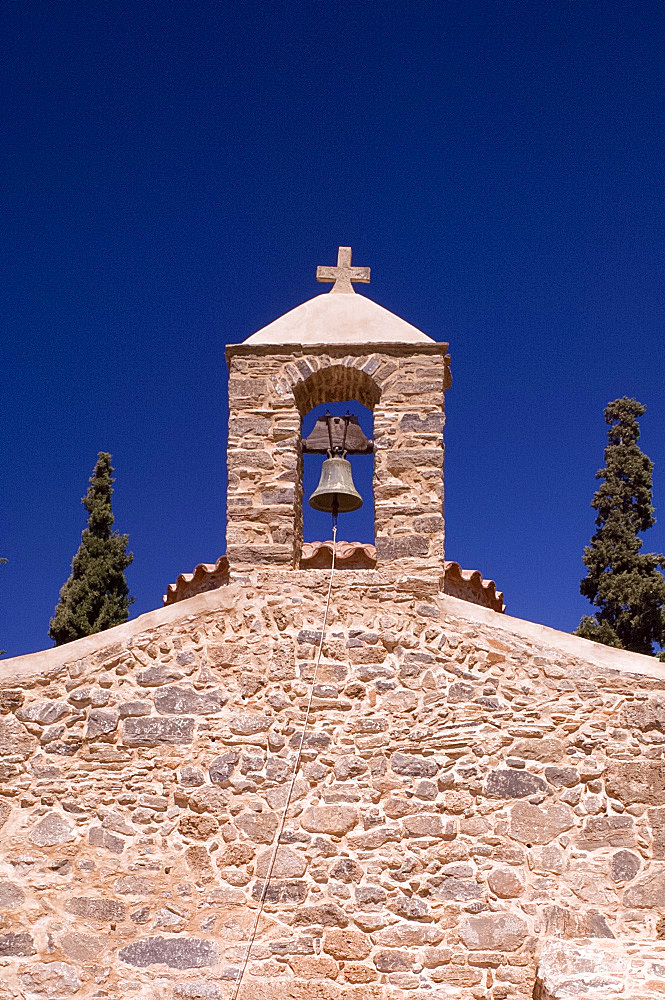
336,492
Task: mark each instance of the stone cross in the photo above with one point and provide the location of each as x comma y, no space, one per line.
343,274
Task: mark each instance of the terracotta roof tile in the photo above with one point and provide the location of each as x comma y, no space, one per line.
466,584
206,576
349,555
470,585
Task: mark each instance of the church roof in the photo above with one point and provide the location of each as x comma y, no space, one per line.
339,319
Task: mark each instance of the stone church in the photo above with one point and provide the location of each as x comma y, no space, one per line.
300,782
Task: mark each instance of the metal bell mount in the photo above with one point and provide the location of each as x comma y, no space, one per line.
336,492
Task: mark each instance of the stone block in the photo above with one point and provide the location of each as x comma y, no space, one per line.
607,831
184,700
99,837
428,825
134,885
246,459
401,547
505,883
399,460
50,979
15,740
637,781
278,496
539,824
51,831
346,944
409,934
288,863
168,919
292,946
101,723
429,423
393,961
428,524
198,827
460,691
371,840
327,914
198,859
546,748
201,990
624,866
647,892
225,654
282,665
222,767
92,695
134,708
279,891
335,820
12,945
645,715
11,700
349,767
457,976
657,822
409,907
408,764
314,967
11,895
347,870
369,727
82,947
358,972
507,783
565,922
153,732
250,724
176,953
257,554
602,969
562,777
459,889
155,676
258,827
94,908
493,932
43,713
193,777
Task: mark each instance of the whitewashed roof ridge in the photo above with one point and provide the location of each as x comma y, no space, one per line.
338,319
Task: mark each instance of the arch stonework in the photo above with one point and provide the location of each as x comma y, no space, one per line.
270,390
336,381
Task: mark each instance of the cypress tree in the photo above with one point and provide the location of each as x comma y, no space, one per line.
626,585
96,595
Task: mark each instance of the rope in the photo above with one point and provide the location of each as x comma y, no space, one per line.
271,865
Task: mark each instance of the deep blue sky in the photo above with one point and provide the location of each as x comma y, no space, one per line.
173,173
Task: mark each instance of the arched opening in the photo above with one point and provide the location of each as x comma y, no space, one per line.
337,388
334,383
354,526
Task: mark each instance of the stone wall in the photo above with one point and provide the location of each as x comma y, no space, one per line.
471,787
270,392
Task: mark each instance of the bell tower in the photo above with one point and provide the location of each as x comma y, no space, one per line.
335,347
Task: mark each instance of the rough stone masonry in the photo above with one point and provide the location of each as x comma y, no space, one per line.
480,809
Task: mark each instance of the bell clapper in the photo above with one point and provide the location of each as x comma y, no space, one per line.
335,512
